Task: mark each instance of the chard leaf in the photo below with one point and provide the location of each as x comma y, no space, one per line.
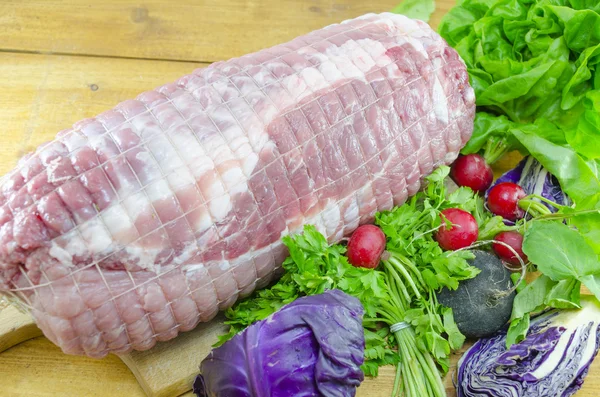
565,295
575,176
455,337
517,330
559,251
592,282
589,224
532,297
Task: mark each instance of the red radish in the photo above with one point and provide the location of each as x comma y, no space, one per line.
503,199
461,234
515,241
472,171
366,246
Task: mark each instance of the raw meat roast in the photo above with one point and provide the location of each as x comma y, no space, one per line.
149,218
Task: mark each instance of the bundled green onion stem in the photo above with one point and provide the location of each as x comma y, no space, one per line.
416,373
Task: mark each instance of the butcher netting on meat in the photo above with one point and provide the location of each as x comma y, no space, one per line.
151,217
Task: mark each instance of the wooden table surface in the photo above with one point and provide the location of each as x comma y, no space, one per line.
64,60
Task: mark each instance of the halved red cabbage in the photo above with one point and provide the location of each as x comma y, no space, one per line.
312,347
535,179
552,361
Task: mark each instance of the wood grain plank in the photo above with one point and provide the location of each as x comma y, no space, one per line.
47,93
203,31
38,368
16,326
169,369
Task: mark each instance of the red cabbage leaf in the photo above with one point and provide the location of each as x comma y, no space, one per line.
313,346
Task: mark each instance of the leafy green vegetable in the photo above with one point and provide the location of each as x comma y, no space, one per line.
492,134
531,298
455,337
518,330
312,268
558,251
566,261
565,294
378,351
416,9
592,282
533,67
576,178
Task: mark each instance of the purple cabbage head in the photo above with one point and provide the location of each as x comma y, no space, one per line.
312,347
552,361
535,179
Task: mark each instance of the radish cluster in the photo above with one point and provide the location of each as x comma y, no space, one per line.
367,244
458,228
502,200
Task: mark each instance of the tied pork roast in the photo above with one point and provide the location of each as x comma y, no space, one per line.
142,222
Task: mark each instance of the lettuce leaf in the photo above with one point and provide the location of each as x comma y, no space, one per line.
531,63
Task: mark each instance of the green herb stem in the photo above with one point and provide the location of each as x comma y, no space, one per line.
494,150
547,201
397,291
414,379
427,364
533,207
560,215
391,313
394,263
426,382
407,263
398,282
369,320
397,381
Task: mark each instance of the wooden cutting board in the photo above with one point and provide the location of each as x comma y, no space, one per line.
168,370
65,60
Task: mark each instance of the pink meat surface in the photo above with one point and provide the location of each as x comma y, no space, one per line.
142,222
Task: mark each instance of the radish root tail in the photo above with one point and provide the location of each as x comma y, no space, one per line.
497,295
